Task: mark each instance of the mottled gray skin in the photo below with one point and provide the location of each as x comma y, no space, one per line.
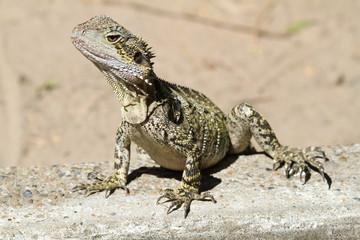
180,128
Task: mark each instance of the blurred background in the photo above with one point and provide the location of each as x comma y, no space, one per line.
297,62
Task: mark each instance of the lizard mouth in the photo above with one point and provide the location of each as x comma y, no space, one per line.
110,64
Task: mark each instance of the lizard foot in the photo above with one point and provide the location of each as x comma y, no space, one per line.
180,196
300,160
109,184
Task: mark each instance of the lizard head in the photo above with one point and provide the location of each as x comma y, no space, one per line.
118,53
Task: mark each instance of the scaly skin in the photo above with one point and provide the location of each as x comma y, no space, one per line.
180,128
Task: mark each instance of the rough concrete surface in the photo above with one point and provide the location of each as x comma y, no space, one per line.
252,202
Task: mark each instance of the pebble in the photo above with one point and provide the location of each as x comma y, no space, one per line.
27,194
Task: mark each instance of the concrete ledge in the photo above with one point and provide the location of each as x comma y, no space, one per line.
253,202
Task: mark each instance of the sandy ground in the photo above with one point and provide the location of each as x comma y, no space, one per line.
55,107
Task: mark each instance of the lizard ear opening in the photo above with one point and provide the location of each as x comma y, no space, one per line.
138,58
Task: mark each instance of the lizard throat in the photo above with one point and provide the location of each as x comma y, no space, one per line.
122,85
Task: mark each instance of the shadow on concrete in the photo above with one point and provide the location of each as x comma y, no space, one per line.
208,181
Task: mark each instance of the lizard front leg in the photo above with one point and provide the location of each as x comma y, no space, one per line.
244,119
190,184
121,167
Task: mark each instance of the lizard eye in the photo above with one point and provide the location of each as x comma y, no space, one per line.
113,37
138,57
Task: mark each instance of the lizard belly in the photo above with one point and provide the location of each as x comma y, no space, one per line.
163,154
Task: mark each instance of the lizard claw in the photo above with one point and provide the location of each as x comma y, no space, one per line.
180,196
300,160
109,184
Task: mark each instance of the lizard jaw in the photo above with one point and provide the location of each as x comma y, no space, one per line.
121,74
107,62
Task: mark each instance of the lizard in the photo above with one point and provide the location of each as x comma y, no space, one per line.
178,127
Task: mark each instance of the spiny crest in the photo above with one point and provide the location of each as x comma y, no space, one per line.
149,53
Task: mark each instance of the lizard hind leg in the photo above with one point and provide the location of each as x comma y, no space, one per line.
251,123
239,131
